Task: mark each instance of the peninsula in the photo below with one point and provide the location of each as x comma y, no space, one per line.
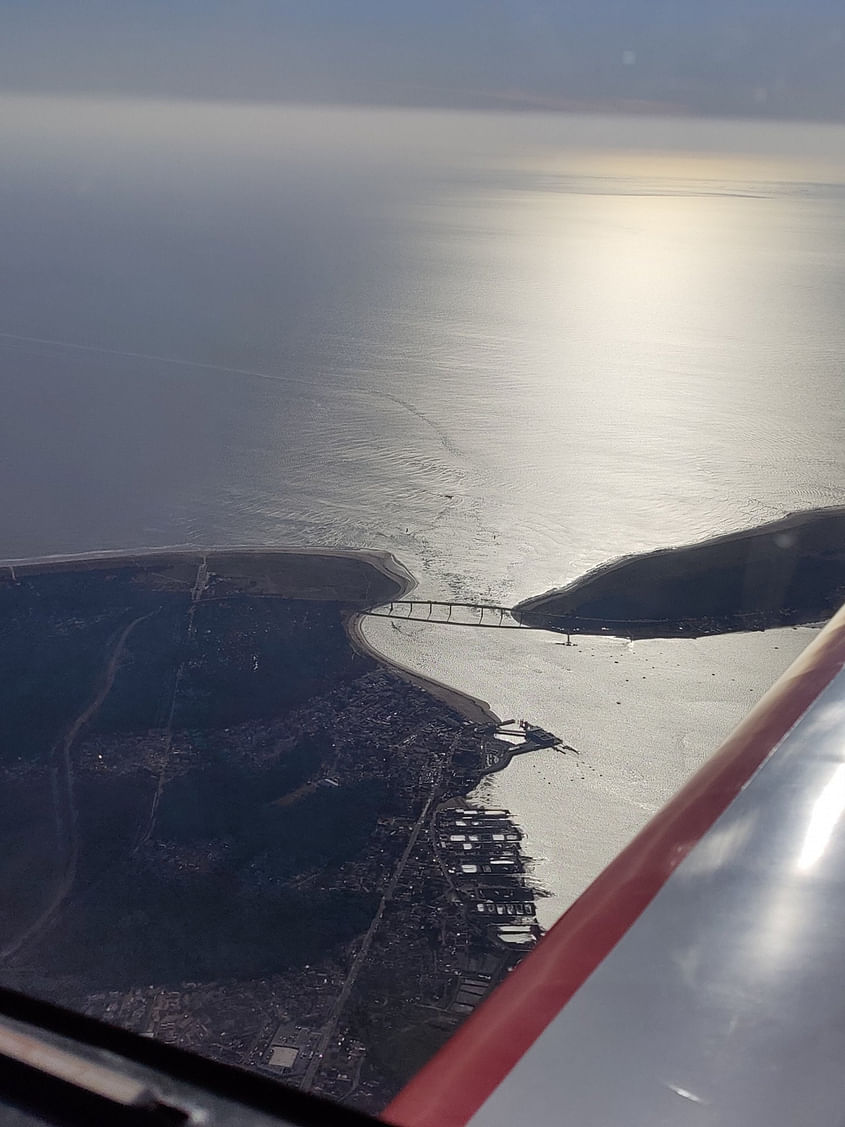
229,824
786,573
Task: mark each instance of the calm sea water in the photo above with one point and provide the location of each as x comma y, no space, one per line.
506,348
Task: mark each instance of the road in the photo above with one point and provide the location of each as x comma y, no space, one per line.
200,584
65,804
331,1025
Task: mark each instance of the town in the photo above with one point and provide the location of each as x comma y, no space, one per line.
269,852
454,913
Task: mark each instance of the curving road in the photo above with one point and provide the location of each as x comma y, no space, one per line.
65,805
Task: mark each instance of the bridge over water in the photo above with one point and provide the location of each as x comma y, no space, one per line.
501,618
449,614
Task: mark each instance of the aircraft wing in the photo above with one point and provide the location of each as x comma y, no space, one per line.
701,977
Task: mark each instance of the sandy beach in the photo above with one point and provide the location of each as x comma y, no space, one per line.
363,576
473,708
381,578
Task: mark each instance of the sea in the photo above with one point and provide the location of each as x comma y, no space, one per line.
507,348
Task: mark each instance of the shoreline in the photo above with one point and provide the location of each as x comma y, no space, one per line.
381,559
788,572
226,559
384,562
472,708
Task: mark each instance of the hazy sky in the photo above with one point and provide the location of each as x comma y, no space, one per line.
708,56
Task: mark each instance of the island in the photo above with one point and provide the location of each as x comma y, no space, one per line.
228,824
789,572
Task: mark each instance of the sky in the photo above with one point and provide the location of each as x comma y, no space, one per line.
723,57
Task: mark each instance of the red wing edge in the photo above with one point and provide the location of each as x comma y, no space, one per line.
517,1056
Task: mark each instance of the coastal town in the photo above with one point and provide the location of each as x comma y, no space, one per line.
275,859
454,912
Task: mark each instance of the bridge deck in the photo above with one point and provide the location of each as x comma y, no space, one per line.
488,615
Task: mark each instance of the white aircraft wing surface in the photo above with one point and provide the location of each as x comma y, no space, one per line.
701,978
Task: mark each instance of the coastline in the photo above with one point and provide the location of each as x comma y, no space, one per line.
789,572
473,708
384,562
232,704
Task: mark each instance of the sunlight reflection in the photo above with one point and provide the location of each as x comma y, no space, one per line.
827,810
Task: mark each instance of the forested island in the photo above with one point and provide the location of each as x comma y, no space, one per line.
787,573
